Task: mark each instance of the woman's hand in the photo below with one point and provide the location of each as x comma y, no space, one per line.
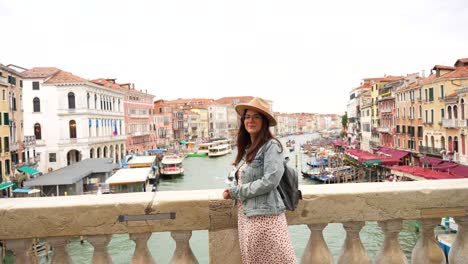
226,194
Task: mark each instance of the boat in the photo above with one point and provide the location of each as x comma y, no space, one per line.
131,180
204,147
171,166
146,162
220,148
197,154
446,234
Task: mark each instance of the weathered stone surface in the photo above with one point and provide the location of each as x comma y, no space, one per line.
206,210
224,246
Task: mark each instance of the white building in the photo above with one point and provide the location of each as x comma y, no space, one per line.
72,118
218,121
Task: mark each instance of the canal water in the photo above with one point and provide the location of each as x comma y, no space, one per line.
211,173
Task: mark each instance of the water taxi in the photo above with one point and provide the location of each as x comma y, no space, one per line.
204,148
220,148
131,180
171,165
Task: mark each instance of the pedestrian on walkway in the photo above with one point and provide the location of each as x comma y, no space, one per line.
262,226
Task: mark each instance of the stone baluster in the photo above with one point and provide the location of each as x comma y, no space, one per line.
316,250
141,254
427,250
459,250
183,253
353,252
21,249
390,252
60,246
100,254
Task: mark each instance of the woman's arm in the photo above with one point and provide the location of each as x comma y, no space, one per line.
273,169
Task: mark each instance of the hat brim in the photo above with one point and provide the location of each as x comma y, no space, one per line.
241,108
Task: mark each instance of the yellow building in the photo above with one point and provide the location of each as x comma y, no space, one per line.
6,80
443,112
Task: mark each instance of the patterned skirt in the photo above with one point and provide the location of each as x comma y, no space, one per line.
264,239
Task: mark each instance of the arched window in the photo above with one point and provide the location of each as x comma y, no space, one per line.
462,105
37,131
87,100
36,105
72,126
455,112
71,100
95,101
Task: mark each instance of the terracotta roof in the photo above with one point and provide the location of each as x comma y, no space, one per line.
233,99
461,62
65,77
107,83
443,67
40,72
457,73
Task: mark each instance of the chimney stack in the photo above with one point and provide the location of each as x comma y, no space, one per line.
423,73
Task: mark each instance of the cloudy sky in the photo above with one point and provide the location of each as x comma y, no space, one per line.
305,56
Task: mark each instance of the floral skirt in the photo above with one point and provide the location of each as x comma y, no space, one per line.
264,239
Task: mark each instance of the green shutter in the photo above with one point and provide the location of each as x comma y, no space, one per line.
6,120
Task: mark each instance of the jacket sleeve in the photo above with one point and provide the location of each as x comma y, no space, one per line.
273,169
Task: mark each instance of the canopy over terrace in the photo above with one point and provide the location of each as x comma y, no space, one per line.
421,173
364,156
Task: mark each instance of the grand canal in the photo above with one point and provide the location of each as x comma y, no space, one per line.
211,173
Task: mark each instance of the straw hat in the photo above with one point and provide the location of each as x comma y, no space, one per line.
259,105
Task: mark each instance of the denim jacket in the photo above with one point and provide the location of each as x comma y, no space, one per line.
260,178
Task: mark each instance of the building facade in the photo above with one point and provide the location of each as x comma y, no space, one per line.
71,118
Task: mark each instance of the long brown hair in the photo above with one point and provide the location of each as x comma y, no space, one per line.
243,140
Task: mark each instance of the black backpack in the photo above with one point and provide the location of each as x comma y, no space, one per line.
288,187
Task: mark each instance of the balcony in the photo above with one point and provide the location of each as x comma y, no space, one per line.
462,90
14,146
383,129
454,123
431,150
98,217
92,140
4,81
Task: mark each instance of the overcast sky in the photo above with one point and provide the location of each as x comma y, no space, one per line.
305,56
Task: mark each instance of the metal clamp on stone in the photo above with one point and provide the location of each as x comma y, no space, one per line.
147,217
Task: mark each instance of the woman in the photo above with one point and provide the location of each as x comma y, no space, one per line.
262,226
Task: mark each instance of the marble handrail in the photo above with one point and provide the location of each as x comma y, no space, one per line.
98,216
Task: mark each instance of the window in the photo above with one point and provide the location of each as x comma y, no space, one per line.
442,113
37,131
6,143
35,85
71,100
432,116
6,120
72,126
36,105
431,94
7,167
441,91
87,100
52,157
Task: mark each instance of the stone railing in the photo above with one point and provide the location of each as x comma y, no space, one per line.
98,217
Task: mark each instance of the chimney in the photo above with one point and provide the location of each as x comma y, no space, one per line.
423,73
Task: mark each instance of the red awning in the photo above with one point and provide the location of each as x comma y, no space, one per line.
431,161
394,153
426,172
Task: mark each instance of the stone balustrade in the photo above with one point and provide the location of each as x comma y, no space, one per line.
98,217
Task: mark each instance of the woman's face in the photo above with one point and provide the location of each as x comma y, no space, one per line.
253,122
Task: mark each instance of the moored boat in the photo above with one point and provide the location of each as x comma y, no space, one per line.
220,148
197,154
171,166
